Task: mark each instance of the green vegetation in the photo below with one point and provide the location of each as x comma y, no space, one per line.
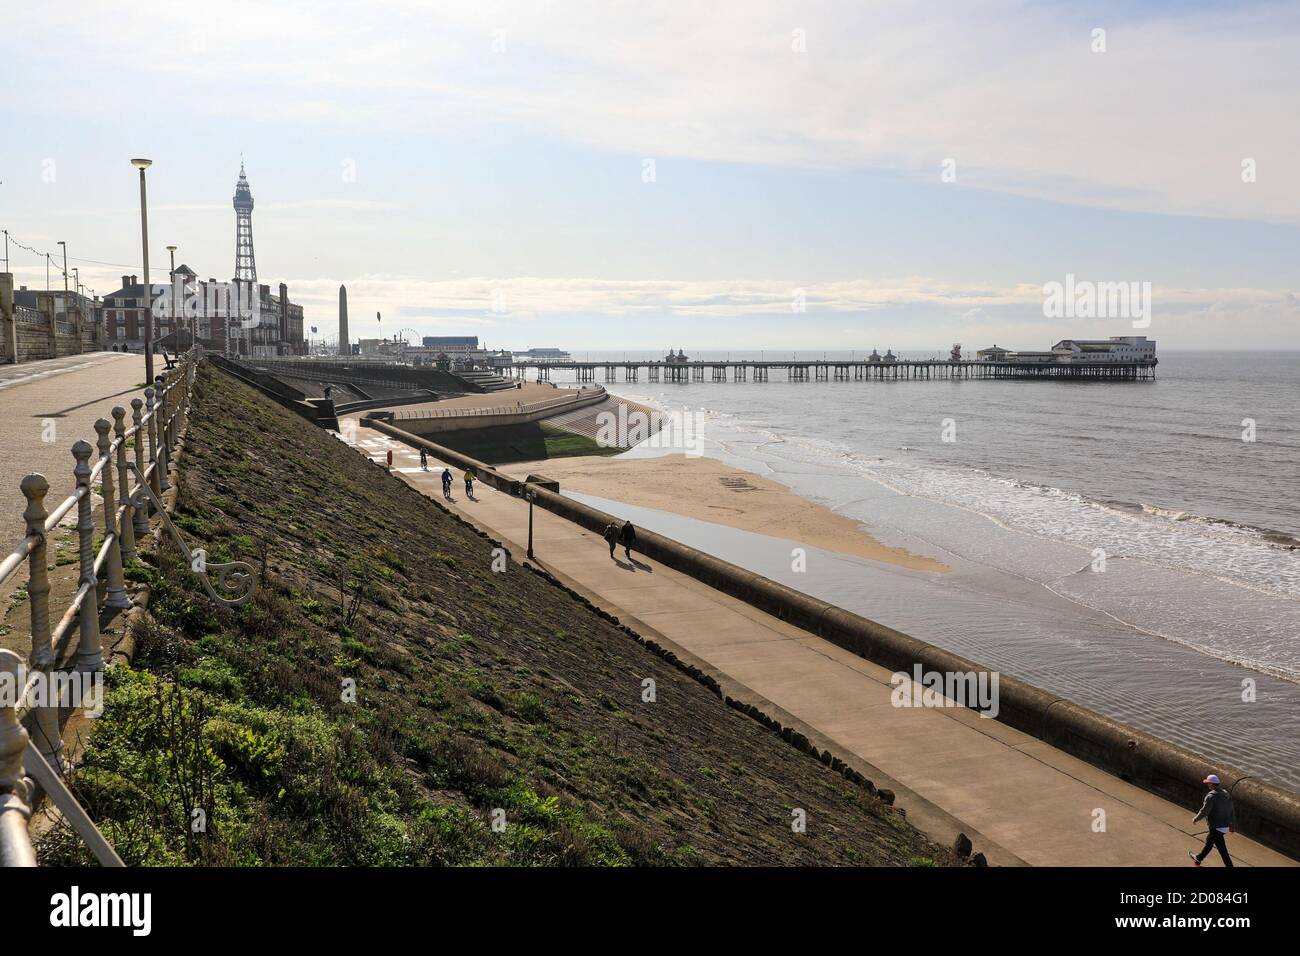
386,697
506,444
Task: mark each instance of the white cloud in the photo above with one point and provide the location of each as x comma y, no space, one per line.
1011,91
524,297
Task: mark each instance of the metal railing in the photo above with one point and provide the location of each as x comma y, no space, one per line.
518,408
130,483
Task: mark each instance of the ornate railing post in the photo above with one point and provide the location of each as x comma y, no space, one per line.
175,399
187,388
90,656
115,590
46,713
162,432
141,501
15,799
151,428
160,409
178,408
124,485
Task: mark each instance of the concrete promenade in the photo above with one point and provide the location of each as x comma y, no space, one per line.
531,392
1017,798
59,400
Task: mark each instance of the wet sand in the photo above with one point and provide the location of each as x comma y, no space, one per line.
706,489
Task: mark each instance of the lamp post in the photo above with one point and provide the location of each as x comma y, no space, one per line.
66,312
171,282
76,290
142,165
65,275
530,495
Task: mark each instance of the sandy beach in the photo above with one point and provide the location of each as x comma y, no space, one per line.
709,490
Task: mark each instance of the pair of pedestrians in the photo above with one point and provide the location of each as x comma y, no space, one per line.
626,536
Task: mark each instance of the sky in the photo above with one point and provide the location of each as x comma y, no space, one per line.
730,175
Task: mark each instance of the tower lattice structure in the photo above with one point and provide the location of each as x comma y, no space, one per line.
245,263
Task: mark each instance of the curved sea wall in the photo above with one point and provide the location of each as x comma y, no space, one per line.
434,421
1264,812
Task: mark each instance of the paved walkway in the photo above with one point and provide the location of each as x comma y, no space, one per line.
1017,797
44,408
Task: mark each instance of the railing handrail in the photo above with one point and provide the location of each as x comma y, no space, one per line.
157,421
15,559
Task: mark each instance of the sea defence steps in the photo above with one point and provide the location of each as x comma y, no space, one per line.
434,421
354,394
319,411
363,372
1264,811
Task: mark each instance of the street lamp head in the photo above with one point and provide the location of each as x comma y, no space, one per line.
171,248
142,163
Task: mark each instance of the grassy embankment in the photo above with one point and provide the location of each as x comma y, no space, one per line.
474,690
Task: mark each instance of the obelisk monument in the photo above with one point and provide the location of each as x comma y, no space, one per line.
344,347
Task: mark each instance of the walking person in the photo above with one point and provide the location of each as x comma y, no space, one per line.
611,537
424,459
446,483
1217,813
469,484
627,537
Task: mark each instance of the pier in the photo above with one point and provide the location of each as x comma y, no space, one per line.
838,370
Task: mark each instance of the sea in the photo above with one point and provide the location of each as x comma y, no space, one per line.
1132,546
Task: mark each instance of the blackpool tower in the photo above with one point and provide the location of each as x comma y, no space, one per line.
245,264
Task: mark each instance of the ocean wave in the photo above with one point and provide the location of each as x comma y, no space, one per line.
1270,536
1250,557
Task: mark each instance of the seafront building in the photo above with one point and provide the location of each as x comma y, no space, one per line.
1128,349
208,310
445,351
1118,348
124,315
545,355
